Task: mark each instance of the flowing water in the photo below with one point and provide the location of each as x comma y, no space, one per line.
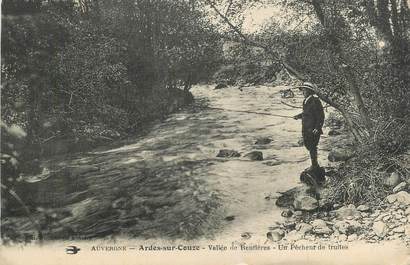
169,182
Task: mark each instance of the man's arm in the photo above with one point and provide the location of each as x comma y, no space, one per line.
299,116
320,116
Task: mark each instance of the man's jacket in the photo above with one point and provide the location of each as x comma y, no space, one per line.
313,115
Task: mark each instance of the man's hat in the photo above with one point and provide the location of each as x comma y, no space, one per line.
307,85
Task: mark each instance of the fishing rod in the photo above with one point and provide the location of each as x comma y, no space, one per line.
252,112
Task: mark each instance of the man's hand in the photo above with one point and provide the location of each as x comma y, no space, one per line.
315,131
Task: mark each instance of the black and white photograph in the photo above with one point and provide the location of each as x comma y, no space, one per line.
237,132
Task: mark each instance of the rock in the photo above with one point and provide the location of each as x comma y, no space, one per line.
365,214
363,208
275,235
298,213
263,141
287,198
342,237
305,203
380,229
347,227
300,142
336,206
230,218
386,218
392,180
255,155
345,212
313,177
304,228
391,198
272,163
402,197
290,225
407,230
399,229
287,213
246,235
341,226
400,187
320,227
220,86
352,237
407,211
78,170
339,154
228,153
120,203
294,236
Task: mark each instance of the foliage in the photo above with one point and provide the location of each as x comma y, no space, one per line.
87,69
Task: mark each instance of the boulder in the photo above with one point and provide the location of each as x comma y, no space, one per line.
305,203
294,236
380,229
275,235
263,140
220,86
255,155
287,198
400,187
304,228
273,163
313,176
228,153
339,154
392,180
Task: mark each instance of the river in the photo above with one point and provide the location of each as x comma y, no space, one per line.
169,183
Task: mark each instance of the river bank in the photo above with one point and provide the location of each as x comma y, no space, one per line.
385,219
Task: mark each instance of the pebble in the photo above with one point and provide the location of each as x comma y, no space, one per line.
286,213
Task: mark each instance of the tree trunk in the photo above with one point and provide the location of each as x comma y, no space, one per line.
347,70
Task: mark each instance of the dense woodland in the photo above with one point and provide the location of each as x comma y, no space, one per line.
91,71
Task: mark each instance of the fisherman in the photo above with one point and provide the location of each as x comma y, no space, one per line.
312,122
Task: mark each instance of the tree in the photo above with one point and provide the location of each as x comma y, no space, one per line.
338,50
